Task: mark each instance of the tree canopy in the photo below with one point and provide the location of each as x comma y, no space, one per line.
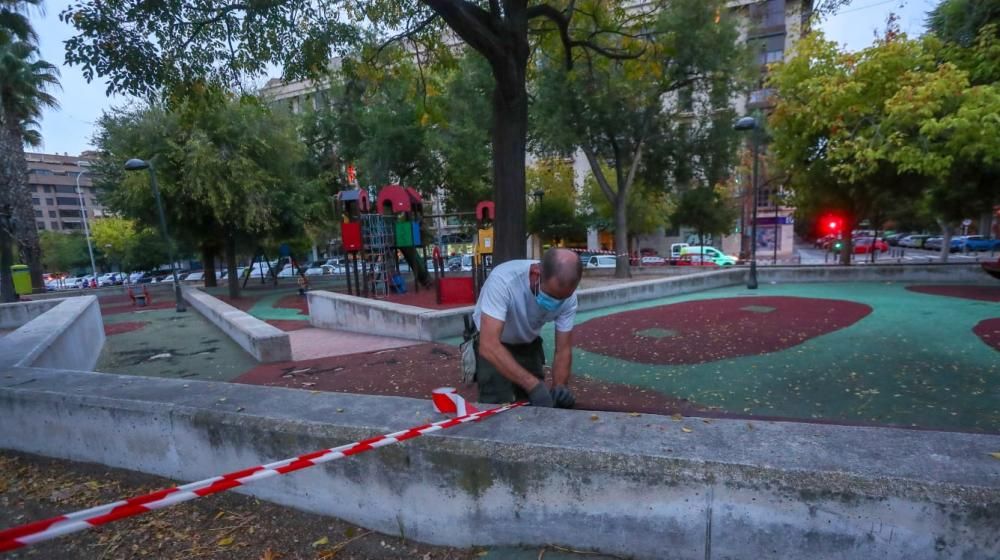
227,168
647,118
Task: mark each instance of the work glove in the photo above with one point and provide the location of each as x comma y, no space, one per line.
540,396
562,397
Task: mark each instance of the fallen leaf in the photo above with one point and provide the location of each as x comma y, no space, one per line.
995,455
340,410
321,542
686,430
218,516
594,418
226,541
93,484
634,414
269,555
676,417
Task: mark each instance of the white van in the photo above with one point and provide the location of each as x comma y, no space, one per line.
601,261
676,249
703,255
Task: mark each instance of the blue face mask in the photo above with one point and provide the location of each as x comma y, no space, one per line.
545,301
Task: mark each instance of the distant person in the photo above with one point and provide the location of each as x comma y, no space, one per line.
517,299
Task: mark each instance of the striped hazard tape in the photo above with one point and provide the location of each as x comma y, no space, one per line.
446,401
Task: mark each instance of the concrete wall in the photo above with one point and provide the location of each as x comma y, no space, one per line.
262,341
632,486
13,315
70,334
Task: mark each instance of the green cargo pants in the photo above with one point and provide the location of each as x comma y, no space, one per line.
494,388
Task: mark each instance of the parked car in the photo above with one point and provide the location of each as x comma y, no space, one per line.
865,245
893,239
913,241
289,272
652,261
676,249
196,276
980,243
459,263
701,254
321,270
933,243
601,261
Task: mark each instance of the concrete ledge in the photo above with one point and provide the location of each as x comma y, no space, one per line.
632,486
69,334
330,310
642,290
14,315
922,273
341,311
262,341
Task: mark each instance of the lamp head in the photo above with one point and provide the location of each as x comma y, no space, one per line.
136,164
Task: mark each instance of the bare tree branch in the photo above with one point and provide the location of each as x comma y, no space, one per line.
602,180
405,35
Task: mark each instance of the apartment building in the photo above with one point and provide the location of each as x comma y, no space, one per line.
53,180
771,28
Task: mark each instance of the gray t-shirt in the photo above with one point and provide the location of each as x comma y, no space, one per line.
507,296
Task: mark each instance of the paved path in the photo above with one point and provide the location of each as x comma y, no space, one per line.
311,343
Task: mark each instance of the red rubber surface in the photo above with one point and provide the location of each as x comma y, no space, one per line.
694,332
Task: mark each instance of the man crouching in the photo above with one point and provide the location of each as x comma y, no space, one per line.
517,299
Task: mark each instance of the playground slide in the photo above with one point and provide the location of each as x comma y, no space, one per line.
417,265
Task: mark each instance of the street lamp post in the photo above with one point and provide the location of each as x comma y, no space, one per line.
86,226
750,124
138,164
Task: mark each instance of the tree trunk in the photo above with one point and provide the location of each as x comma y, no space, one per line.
621,237
986,224
847,242
208,254
14,186
510,132
945,240
872,248
7,293
234,280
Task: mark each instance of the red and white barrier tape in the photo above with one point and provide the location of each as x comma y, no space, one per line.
445,400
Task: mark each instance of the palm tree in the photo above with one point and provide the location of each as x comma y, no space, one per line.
14,23
24,83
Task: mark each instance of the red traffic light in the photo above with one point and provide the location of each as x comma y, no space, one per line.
833,224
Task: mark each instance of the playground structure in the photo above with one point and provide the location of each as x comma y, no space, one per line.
374,236
482,263
353,206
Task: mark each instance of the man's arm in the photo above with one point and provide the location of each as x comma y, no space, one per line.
562,364
491,349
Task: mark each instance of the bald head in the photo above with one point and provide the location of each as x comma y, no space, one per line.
561,272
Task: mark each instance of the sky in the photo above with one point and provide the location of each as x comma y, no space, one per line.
69,128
